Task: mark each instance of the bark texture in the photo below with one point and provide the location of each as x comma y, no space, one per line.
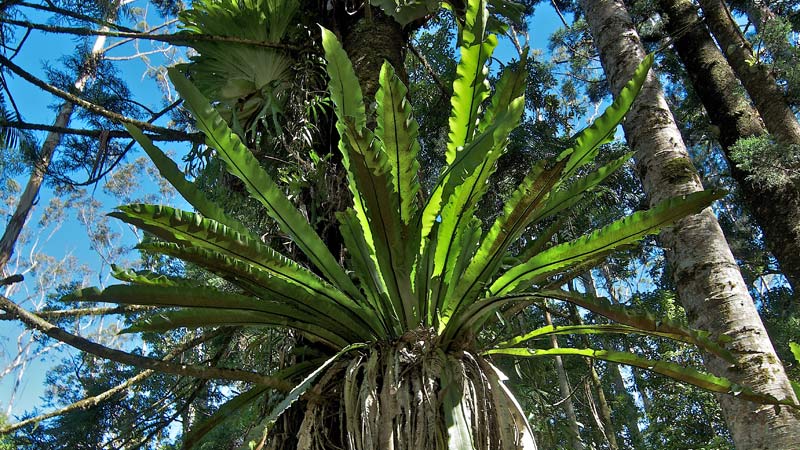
775,209
756,78
708,280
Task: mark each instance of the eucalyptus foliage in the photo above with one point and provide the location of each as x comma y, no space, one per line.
397,330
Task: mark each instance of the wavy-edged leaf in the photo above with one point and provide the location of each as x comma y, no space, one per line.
601,242
376,203
148,278
209,298
243,165
517,422
366,270
457,212
170,171
370,180
567,197
456,409
197,317
344,88
470,184
397,130
594,329
677,372
602,129
524,202
192,229
509,87
640,320
266,285
470,89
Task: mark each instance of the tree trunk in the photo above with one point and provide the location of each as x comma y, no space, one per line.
708,280
622,397
759,83
775,209
566,393
39,170
606,424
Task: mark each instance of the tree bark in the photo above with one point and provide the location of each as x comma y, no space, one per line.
756,78
708,280
775,209
566,393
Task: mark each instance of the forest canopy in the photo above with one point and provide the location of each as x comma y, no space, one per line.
288,224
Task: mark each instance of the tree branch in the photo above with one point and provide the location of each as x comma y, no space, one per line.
93,401
142,362
66,12
184,39
79,312
173,135
442,87
89,106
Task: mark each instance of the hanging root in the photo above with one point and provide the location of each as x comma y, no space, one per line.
410,395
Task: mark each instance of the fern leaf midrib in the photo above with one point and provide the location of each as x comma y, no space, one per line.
387,241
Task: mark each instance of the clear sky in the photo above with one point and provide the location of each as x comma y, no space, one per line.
71,239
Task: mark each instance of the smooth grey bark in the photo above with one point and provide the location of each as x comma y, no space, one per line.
622,397
17,221
566,393
604,413
709,284
776,209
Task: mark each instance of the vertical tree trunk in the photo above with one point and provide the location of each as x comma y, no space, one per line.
607,425
622,396
637,376
566,393
756,78
775,209
39,170
708,280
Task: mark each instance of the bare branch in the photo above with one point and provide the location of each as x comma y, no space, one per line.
142,362
11,280
91,402
89,106
184,39
442,87
174,135
75,15
80,312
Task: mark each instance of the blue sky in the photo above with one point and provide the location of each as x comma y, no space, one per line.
71,239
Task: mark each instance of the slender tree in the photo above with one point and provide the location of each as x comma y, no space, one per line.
708,280
566,393
45,156
627,405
